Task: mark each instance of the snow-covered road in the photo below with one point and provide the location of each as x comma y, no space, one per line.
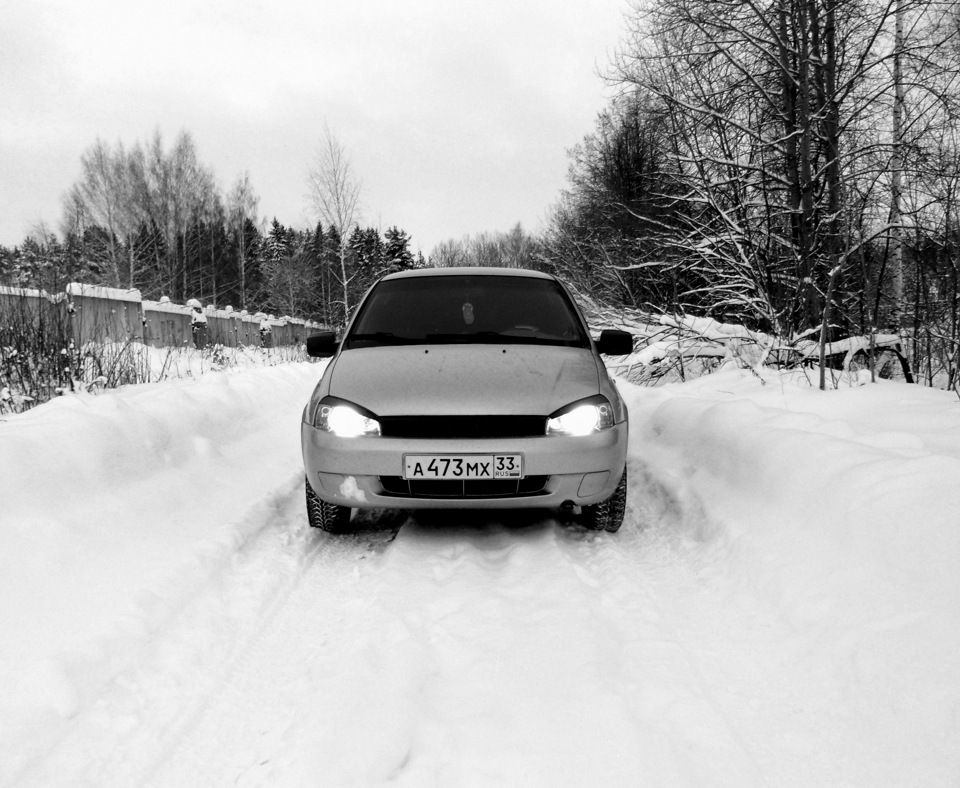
780,607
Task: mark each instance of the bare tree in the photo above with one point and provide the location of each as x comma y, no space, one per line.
514,249
335,194
449,254
779,118
138,208
101,197
192,191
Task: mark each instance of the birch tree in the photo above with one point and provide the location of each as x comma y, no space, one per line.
102,197
334,192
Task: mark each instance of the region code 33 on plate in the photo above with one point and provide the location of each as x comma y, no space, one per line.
462,466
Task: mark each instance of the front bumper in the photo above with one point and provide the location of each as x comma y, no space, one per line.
362,472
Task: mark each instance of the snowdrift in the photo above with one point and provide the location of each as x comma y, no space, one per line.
831,518
841,511
114,508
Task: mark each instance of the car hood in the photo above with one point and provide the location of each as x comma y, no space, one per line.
464,379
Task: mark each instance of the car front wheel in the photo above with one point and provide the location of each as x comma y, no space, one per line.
608,515
326,516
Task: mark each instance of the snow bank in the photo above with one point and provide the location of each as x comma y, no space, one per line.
76,444
113,508
842,510
780,607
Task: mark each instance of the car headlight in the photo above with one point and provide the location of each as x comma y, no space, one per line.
582,418
344,419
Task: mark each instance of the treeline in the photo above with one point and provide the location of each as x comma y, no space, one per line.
513,249
791,165
302,272
153,219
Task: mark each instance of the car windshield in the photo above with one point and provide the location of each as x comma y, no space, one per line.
454,309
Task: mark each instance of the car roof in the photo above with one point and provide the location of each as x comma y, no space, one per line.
468,271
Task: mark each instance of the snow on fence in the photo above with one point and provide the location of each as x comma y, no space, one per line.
166,324
91,337
105,314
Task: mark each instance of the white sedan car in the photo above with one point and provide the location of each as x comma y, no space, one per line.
466,388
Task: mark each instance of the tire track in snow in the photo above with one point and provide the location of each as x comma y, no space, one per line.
193,641
456,657
243,735
480,651
709,660
473,649
638,575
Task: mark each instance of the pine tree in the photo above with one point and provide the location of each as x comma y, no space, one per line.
245,273
291,282
277,242
369,260
6,264
397,250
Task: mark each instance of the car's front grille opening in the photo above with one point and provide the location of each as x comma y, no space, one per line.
462,426
471,488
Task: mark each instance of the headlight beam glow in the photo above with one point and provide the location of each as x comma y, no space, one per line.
583,419
579,421
345,422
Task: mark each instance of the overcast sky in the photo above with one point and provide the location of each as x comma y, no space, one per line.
456,116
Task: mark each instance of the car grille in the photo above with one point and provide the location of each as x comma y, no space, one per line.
462,426
470,488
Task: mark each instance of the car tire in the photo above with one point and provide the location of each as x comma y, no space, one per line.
608,515
328,517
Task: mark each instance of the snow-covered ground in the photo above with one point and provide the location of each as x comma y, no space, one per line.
781,607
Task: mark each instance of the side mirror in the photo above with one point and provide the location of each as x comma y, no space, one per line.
614,342
322,345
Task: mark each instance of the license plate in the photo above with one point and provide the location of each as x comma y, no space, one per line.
462,466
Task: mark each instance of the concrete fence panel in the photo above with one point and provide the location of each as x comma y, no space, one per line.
90,313
166,324
104,314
